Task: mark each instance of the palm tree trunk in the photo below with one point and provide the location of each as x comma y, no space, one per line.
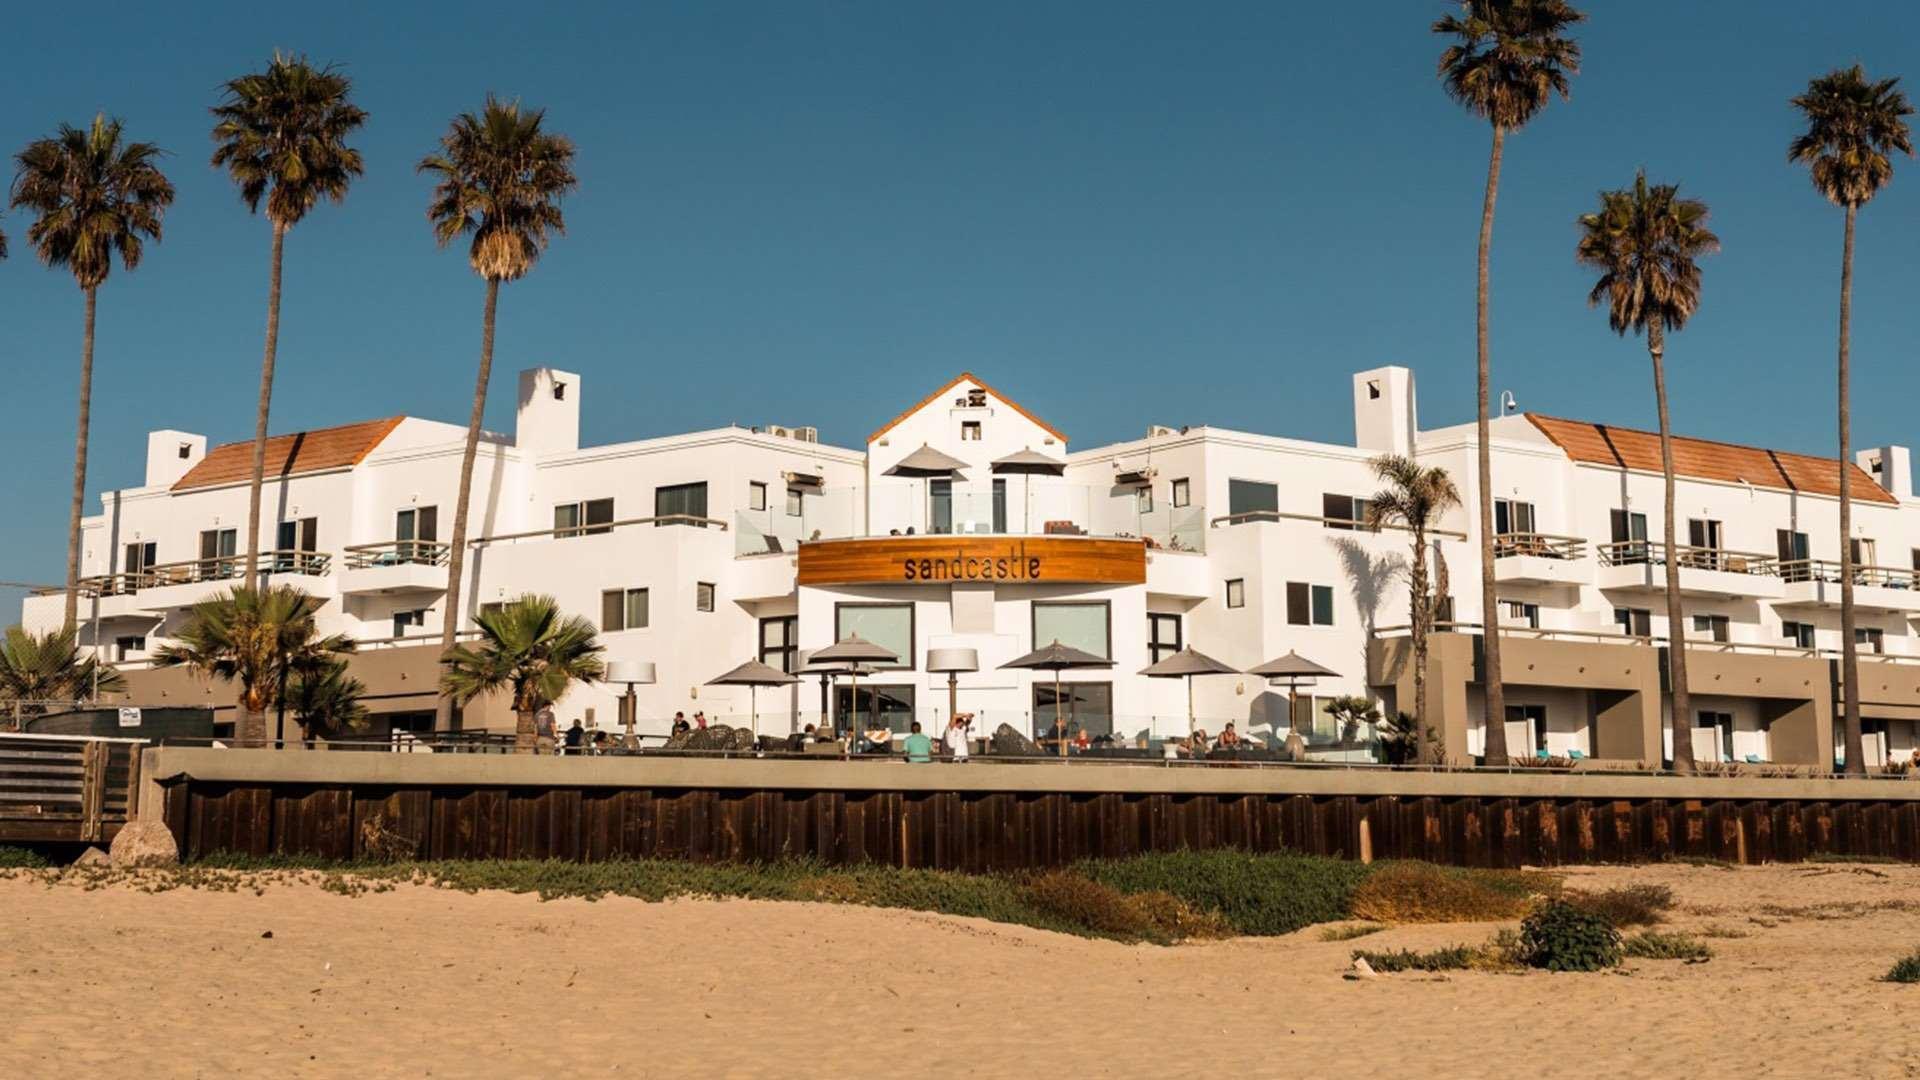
525,735
1856,754
260,410
1682,721
1494,690
1420,618
81,434
456,552
251,728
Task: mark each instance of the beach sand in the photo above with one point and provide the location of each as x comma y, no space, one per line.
420,982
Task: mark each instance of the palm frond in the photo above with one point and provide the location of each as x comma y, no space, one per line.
1646,242
281,135
95,195
499,178
1854,126
529,647
1509,57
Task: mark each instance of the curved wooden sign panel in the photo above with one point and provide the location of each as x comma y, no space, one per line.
1017,560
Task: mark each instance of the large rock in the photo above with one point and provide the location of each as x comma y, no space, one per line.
93,856
145,843
1010,743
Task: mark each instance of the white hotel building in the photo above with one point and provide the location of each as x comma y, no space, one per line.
696,552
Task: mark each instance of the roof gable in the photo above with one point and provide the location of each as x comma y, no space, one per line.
1705,459
290,455
965,376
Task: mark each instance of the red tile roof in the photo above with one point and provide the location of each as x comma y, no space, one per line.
1704,459
965,376
290,455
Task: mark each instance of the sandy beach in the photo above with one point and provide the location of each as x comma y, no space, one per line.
420,981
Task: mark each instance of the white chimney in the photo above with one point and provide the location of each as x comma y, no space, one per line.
1891,467
1384,415
548,420
170,454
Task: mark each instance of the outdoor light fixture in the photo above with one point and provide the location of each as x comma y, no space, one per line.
631,673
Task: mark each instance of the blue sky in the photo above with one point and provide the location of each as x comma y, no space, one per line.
808,213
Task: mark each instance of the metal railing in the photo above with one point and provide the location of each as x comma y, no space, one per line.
595,528
1538,545
396,553
1344,524
1695,643
1654,553
1829,571
192,571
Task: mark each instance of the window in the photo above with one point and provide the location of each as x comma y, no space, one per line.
125,647
681,501
1713,626
780,642
407,620
1793,550
1143,499
414,531
889,626
1872,638
1309,605
1236,592
1512,516
703,596
1704,536
291,540
583,518
1535,719
1519,613
140,556
1251,497
976,398
186,451
794,495
756,495
1163,636
1088,707
1081,625
939,506
1183,496
1635,621
879,706
999,504
1800,633
217,547
1629,536
623,609
1864,553
969,431
1343,511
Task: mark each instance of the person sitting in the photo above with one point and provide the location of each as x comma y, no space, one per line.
919,747
700,720
576,735
1197,743
601,742
680,723
1081,740
878,741
1229,738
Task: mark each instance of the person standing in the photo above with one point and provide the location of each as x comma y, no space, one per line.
957,733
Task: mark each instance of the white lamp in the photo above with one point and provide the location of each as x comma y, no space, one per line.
953,662
632,673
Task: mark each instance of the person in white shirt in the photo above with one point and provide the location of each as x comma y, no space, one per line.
957,732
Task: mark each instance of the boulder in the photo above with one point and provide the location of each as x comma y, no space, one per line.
93,856
711,737
679,740
1010,743
743,739
145,843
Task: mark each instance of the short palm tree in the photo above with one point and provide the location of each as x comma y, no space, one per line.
36,669
499,178
1854,127
325,700
257,638
96,194
1415,498
281,135
529,648
1507,60
1645,241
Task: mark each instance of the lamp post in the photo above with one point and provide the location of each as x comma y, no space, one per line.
631,673
953,662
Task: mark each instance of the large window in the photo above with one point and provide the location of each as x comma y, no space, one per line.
1533,721
1085,706
889,626
1635,621
879,706
1309,605
1163,636
414,531
140,555
1512,516
1871,638
1520,613
623,609
779,642
939,506
1236,592
681,501
756,495
1800,633
1712,627
1081,625
291,539
583,518
1252,497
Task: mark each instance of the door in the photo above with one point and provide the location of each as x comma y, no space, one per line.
1704,537
1792,548
217,548
940,506
1088,707
414,531
1629,529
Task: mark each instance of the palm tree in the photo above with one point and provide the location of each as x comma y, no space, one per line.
1416,498
36,669
529,648
499,179
281,135
258,638
1644,241
95,195
1507,60
1853,128
325,700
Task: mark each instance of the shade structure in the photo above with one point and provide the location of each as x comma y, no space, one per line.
951,662
850,653
1058,658
926,462
1292,668
1029,463
753,675
1185,664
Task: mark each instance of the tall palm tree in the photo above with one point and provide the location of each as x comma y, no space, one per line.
325,700
95,195
530,649
258,638
1416,498
1507,60
1853,128
281,135
39,668
1645,241
499,178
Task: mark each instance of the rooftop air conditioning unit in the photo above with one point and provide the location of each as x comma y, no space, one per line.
1156,430
781,432
807,434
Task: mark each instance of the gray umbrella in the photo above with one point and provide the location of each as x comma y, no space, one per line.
753,675
1057,658
1187,663
1292,667
927,463
1029,463
850,653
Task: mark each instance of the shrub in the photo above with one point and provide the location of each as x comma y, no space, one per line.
1350,931
18,858
1653,945
1628,905
1256,894
1453,958
1906,969
1078,899
1173,919
1561,937
1412,892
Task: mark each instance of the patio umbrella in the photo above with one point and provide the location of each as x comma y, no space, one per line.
1029,463
927,463
849,653
1058,658
753,675
1292,667
1187,663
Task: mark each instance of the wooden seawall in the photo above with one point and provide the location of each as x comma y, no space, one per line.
982,817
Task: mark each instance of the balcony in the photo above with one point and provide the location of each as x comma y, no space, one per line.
1541,559
1640,566
1815,583
395,567
167,586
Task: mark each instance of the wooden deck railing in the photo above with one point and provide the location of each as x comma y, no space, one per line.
221,568
1654,553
